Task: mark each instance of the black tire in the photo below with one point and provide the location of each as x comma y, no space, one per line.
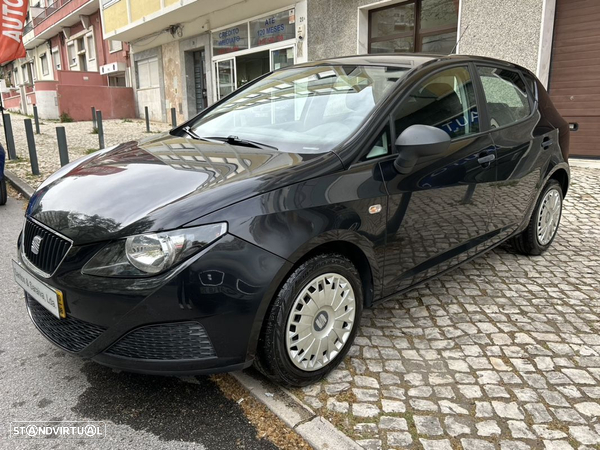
528,242
272,357
3,191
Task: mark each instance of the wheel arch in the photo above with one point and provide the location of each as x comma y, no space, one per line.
346,244
562,176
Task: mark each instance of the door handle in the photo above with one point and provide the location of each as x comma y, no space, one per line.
487,159
547,142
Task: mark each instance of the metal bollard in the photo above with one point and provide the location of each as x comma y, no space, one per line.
100,129
37,119
147,119
10,139
35,169
94,125
63,150
174,117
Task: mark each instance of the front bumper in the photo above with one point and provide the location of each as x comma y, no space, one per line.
202,317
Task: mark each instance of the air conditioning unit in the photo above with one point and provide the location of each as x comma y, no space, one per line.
111,68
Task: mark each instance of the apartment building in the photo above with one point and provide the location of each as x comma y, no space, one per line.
69,67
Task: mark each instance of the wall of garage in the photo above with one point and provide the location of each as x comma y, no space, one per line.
507,29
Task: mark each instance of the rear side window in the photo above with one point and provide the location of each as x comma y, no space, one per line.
446,100
506,96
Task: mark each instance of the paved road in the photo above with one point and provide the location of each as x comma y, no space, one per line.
40,382
502,353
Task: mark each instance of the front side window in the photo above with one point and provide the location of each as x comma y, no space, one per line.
427,26
445,100
305,109
505,94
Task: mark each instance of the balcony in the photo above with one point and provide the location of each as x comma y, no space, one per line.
49,21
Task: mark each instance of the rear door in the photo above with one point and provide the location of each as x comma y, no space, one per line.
513,119
439,214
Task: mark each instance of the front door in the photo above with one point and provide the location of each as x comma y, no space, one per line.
225,78
438,215
200,80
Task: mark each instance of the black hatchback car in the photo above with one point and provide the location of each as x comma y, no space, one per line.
259,230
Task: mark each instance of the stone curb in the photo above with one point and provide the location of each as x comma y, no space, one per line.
314,429
21,186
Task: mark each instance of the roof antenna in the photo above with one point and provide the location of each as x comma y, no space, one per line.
462,35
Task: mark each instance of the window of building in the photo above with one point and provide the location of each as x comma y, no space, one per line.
147,73
16,76
107,3
427,26
446,101
56,58
117,81
72,52
44,64
505,94
115,46
90,46
25,74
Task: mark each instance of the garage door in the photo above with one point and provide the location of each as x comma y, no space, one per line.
575,73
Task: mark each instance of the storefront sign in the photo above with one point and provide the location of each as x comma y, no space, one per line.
230,40
274,28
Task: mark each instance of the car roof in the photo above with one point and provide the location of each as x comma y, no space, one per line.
405,59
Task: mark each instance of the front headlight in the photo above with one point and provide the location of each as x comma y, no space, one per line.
150,254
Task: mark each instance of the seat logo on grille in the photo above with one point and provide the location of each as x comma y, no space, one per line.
35,244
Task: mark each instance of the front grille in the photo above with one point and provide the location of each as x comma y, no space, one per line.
173,341
51,251
71,334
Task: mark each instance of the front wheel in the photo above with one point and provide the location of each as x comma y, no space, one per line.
312,322
3,191
543,226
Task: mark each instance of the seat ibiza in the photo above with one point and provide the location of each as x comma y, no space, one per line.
259,230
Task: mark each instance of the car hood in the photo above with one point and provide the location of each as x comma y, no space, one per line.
162,185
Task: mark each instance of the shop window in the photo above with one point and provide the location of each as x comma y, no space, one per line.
427,26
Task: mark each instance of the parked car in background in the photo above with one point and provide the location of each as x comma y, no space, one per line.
259,230
3,191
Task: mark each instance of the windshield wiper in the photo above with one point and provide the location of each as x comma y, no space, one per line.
234,140
191,133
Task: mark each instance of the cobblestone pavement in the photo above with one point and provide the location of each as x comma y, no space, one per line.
80,140
501,353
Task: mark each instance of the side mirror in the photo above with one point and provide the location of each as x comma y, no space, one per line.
416,142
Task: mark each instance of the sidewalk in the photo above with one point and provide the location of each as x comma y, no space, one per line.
80,140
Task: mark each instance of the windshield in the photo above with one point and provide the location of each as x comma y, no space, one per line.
302,110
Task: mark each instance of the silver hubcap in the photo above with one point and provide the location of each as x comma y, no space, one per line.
549,216
320,321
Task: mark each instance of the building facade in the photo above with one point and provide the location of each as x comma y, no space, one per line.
187,54
69,67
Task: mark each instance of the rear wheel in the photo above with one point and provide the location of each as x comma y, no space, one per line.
543,226
312,322
3,191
